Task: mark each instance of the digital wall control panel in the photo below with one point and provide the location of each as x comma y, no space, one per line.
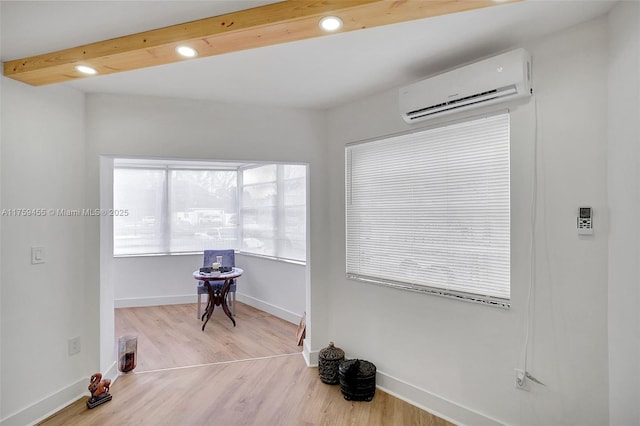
585,221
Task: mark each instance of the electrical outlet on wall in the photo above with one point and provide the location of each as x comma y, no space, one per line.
74,346
521,379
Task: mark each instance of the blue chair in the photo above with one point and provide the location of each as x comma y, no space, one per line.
228,259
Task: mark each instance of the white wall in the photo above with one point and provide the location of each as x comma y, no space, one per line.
624,202
173,128
458,358
42,305
272,286
1,207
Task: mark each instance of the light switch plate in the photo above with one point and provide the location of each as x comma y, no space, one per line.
37,255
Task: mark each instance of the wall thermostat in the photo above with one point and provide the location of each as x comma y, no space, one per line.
585,221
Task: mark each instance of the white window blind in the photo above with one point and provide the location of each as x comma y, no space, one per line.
273,213
142,193
173,210
203,210
430,211
189,206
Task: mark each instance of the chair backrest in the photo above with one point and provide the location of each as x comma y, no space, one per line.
228,257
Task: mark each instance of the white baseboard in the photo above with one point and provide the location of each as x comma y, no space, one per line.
55,402
437,405
48,406
112,373
274,310
136,302
434,404
310,357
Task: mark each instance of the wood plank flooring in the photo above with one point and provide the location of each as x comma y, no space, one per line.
171,335
274,388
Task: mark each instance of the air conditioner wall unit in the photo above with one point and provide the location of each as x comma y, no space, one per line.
497,79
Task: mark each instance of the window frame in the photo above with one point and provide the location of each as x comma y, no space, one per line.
167,166
421,288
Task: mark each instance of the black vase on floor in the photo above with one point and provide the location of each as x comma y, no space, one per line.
357,380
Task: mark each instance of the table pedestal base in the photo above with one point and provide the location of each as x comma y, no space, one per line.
217,297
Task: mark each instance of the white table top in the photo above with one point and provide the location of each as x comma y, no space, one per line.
214,276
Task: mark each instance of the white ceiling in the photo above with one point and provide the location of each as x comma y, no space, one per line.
315,73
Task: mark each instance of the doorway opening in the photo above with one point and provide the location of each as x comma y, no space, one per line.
149,252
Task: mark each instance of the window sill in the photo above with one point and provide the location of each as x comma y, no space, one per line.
199,253
465,297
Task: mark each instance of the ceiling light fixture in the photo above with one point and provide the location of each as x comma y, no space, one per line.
186,51
331,23
86,70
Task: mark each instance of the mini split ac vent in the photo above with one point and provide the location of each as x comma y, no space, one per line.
497,79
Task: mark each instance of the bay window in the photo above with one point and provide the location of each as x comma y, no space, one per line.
183,207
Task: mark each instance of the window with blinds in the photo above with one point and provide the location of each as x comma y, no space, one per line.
180,206
273,210
430,211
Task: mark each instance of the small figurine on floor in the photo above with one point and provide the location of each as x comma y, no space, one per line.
99,390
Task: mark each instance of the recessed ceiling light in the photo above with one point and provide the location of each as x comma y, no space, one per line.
331,23
86,70
186,51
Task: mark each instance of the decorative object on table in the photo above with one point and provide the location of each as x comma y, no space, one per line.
357,380
302,329
217,264
329,360
99,390
127,353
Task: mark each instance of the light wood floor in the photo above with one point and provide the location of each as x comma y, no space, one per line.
263,388
171,335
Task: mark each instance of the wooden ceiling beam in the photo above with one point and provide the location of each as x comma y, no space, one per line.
275,23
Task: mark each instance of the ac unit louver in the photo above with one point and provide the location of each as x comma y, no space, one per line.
498,79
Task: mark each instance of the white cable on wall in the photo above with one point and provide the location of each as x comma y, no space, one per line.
532,243
530,300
